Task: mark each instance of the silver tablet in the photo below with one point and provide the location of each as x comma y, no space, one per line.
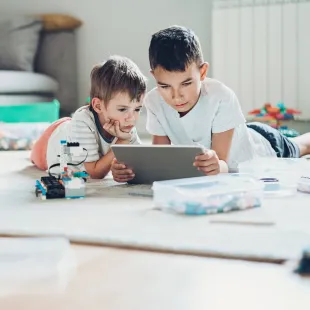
158,162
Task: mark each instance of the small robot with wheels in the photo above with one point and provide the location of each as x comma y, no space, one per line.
69,183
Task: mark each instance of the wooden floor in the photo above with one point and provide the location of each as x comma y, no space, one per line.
111,279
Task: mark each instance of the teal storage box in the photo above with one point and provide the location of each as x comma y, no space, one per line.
30,113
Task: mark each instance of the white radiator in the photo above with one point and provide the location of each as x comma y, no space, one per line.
261,49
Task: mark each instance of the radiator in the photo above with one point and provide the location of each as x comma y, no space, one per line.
261,49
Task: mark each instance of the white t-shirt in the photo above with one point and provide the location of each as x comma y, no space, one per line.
82,128
217,110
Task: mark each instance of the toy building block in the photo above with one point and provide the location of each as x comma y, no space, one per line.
80,174
255,112
74,188
288,132
49,188
292,111
272,110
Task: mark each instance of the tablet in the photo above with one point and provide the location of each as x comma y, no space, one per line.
158,162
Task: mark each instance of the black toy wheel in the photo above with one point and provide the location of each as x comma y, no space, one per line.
37,191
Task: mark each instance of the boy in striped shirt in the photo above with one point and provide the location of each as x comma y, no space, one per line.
117,91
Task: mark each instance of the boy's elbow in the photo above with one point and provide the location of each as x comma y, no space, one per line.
94,175
94,172
97,175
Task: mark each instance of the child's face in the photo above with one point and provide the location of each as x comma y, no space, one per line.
180,90
121,109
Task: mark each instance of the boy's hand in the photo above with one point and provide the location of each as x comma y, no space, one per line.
112,127
120,172
208,163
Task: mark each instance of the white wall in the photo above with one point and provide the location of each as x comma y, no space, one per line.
120,27
262,53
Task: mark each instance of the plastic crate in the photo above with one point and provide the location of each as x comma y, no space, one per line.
30,113
208,194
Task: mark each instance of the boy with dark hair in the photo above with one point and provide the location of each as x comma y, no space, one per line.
117,91
188,108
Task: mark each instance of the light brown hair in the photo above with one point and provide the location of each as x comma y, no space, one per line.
117,75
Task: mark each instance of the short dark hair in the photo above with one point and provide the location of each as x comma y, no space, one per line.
117,75
174,49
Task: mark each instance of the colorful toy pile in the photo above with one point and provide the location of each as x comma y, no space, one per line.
20,136
274,115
